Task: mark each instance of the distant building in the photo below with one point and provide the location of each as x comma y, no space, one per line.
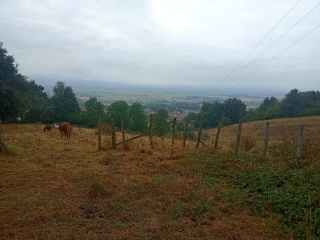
179,115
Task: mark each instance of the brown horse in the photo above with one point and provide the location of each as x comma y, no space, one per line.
65,128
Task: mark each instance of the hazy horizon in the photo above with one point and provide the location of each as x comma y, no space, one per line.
232,46
115,85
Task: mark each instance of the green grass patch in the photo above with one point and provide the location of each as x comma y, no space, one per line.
265,186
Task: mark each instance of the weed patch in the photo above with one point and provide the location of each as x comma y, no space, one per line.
266,187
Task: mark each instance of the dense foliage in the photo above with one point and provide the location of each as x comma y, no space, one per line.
138,119
17,94
160,120
211,112
133,117
89,117
25,100
294,104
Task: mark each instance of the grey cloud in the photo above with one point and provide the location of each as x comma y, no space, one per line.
125,41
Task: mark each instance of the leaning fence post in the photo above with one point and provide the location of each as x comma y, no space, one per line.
99,126
185,134
123,134
173,130
299,143
218,133
151,131
238,135
199,133
265,142
113,130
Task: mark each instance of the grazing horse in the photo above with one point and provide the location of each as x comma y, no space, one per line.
65,128
47,128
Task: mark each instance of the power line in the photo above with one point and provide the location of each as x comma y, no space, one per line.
271,44
255,47
273,58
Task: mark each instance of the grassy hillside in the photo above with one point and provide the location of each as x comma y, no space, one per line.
279,130
53,188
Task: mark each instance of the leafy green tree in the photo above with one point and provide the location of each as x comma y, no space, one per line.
273,111
291,104
267,102
211,112
119,109
65,104
17,94
192,118
89,118
268,109
310,99
40,110
138,118
231,108
160,121
91,113
12,103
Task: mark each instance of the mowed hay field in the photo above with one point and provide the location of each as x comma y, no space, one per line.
56,188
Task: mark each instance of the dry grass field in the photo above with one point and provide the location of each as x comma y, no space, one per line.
253,132
56,188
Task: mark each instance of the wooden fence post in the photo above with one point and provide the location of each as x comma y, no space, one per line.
265,142
185,134
2,146
218,133
113,130
199,134
151,131
173,130
99,126
238,135
299,143
123,134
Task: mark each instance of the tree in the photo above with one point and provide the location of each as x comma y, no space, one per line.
231,108
40,110
65,104
17,94
210,113
91,113
267,102
291,103
138,118
310,99
89,118
119,109
160,121
270,108
191,117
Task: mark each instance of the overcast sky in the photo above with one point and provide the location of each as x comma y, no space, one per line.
187,42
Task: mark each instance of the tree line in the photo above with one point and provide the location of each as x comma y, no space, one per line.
24,99
294,104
